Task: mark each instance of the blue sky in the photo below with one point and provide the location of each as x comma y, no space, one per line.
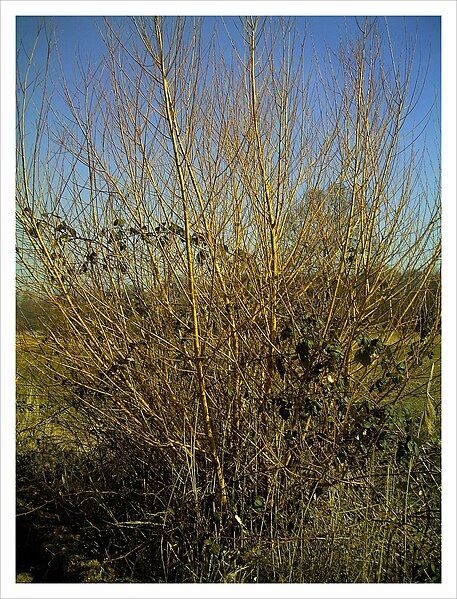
79,36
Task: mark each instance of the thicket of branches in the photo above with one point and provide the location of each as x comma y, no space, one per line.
239,256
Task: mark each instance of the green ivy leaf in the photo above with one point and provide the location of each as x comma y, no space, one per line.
381,384
334,351
259,503
363,357
284,412
287,332
303,350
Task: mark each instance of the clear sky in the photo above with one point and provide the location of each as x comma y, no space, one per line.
79,36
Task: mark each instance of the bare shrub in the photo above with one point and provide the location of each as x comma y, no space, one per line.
243,286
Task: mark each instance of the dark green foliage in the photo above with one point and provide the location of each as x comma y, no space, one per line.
334,351
280,366
369,349
287,332
304,348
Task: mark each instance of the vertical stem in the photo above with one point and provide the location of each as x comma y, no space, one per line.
271,220
354,191
233,337
171,119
